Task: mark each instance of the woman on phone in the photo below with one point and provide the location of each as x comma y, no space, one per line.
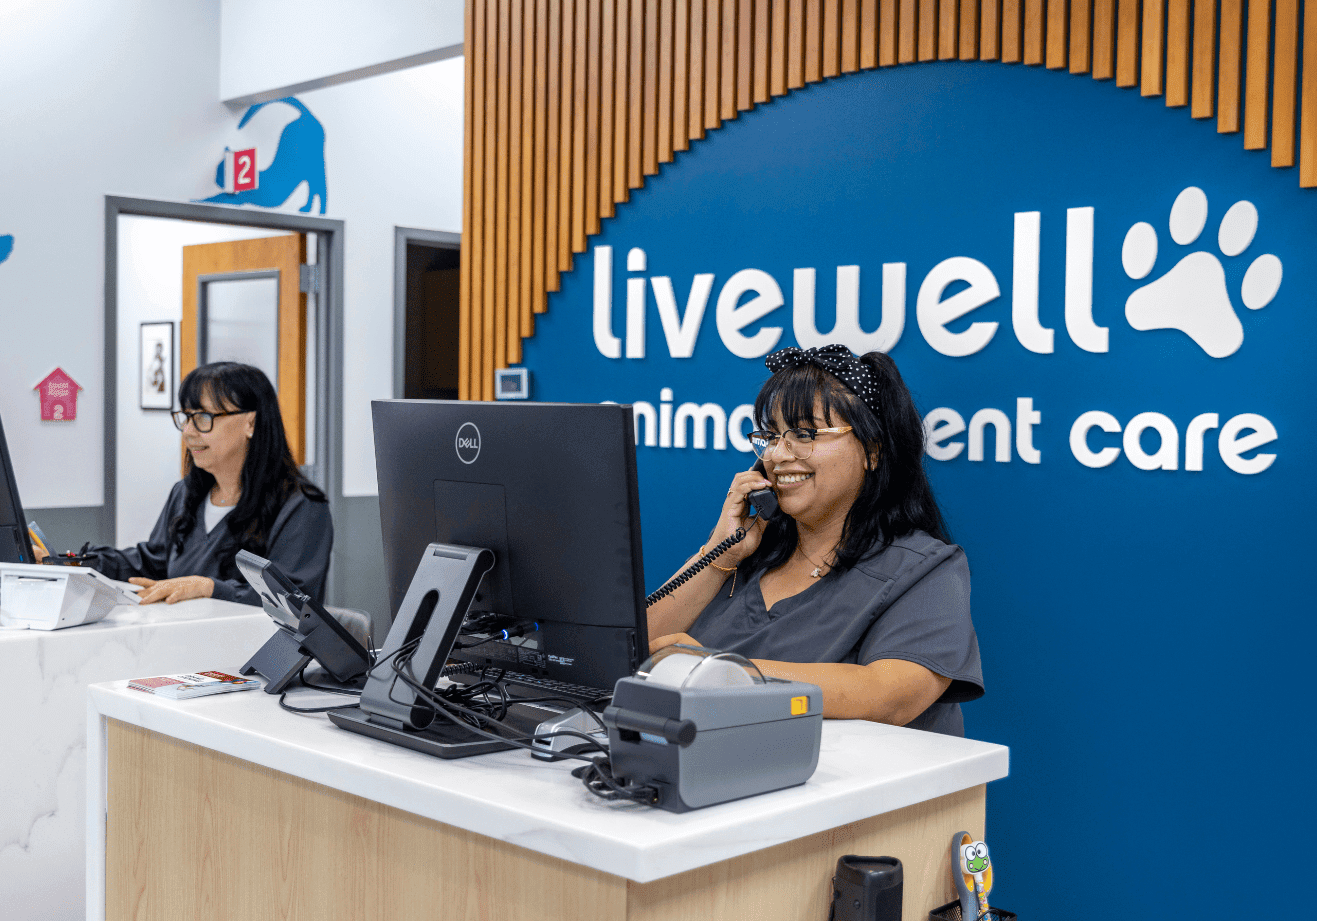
855,585
241,490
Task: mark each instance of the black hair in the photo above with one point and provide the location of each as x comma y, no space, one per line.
896,497
269,474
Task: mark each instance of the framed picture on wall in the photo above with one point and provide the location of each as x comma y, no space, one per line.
156,366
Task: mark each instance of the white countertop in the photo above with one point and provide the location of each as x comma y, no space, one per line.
43,813
865,769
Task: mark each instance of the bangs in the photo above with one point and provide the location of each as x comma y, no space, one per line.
794,394
207,380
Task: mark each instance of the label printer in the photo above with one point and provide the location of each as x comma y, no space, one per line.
706,727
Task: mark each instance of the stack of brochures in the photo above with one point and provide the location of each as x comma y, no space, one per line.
178,687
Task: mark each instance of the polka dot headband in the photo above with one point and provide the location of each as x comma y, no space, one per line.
838,361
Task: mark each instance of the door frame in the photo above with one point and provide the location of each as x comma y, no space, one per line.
329,334
440,239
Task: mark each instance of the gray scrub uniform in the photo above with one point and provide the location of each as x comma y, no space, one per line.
299,544
910,601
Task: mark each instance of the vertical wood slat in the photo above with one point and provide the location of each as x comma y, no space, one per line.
1231,63
908,31
763,54
1056,34
1035,28
499,304
990,27
713,33
553,145
1104,39
592,100
1256,73
667,21
621,98
927,30
969,30
695,92
580,59
778,80
872,34
649,130
1308,102
635,150
796,44
1081,36
681,56
474,161
831,27
1012,31
728,65
1177,52
745,57
566,84
607,109
1284,82
525,246
538,229
1127,43
1204,59
813,41
1152,76
489,246
948,28
681,77
852,21
511,306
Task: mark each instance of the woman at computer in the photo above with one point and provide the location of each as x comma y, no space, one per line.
855,585
241,490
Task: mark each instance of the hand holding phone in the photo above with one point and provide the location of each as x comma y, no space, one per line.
763,500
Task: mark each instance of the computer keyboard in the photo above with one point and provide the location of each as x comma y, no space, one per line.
523,685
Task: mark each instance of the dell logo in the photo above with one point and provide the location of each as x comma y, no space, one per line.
468,443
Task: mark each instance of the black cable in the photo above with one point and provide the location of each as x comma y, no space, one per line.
301,676
693,569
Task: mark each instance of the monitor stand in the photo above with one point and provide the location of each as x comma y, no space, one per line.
432,612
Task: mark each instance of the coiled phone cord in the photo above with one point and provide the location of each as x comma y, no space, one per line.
693,569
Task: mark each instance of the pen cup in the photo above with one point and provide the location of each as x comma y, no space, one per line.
951,912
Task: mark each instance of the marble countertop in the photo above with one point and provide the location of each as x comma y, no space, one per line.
865,769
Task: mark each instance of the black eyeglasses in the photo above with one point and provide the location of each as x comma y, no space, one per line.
800,442
202,421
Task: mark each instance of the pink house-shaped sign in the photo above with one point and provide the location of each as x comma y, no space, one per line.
59,397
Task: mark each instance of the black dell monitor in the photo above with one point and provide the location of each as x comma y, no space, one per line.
552,490
15,545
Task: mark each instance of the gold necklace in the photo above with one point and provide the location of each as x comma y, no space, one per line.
817,571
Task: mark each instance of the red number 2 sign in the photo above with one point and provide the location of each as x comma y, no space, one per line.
240,172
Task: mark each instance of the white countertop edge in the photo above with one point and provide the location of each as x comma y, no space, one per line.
669,849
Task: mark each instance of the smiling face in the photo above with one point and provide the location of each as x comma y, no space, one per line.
974,857
822,487
224,447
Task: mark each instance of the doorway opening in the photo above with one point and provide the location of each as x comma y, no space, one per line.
427,308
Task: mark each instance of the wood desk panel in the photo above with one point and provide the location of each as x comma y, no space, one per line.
195,834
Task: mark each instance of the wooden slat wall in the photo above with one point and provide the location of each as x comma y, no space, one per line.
570,104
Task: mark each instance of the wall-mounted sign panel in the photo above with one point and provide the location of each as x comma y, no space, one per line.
1102,308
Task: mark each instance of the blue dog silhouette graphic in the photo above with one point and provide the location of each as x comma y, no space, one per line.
6,246
300,157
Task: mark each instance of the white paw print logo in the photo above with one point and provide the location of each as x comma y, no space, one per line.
1192,296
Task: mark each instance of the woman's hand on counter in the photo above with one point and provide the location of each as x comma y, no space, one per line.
172,591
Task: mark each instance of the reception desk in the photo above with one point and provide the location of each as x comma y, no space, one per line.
44,723
229,807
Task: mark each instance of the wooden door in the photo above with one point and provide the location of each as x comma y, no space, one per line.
281,259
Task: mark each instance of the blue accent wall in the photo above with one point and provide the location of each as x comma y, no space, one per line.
1143,631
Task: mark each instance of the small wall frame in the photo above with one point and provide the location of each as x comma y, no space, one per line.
156,366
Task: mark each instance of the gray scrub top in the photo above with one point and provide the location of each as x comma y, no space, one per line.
299,544
910,601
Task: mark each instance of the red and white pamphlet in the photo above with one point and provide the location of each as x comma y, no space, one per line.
178,687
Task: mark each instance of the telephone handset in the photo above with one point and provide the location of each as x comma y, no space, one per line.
764,502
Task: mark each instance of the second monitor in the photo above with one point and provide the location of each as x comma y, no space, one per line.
552,490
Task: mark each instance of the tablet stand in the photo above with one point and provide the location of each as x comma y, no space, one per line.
432,612
279,661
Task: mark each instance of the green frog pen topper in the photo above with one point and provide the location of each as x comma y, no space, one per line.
973,872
